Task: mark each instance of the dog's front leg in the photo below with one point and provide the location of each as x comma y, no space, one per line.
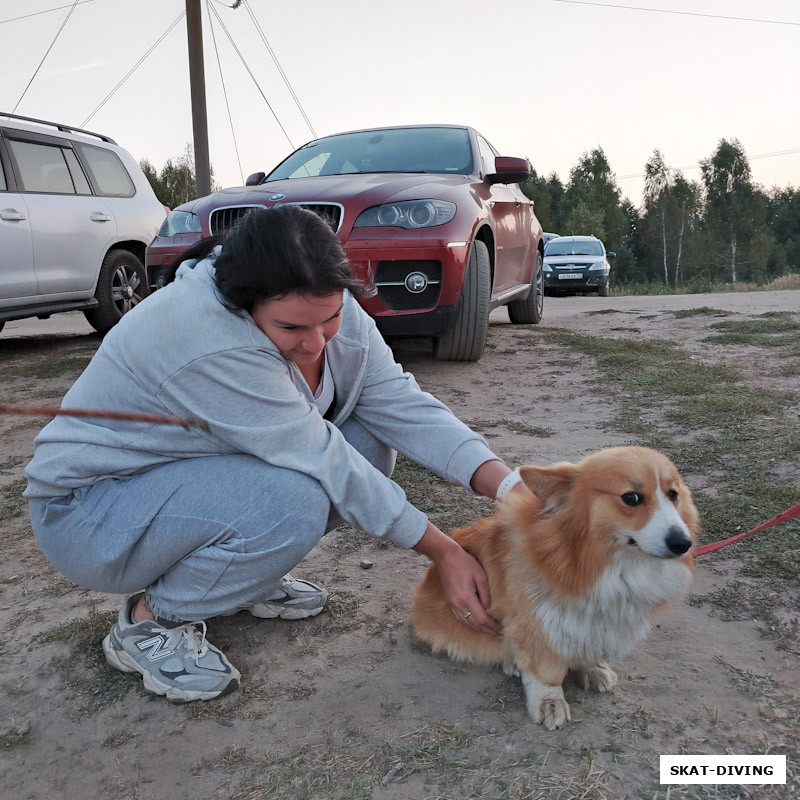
546,703
599,677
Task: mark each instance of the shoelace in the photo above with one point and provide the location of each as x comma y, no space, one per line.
195,639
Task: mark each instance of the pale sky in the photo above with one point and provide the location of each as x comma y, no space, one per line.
544,79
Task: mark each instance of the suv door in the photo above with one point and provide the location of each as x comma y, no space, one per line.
17,276
512,215
60,206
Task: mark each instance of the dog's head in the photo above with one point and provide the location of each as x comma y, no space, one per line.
627,497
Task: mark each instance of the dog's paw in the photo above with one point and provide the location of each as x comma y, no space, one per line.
546,703
553,713
600,677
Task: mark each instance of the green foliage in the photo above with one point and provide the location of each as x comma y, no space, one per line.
687,236
175,183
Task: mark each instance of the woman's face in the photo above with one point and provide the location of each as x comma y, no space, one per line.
300,325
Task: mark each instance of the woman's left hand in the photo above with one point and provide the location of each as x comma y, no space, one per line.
464,580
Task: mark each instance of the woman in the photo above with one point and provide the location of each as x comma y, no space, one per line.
305,406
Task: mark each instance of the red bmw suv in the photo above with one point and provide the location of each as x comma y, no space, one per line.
430,216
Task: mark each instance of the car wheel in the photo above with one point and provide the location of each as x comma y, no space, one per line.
467,338
529,311
603,290
120,287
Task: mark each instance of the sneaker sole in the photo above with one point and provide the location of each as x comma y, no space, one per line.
264,611
123,662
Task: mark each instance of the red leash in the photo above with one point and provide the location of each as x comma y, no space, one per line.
784,516
156,419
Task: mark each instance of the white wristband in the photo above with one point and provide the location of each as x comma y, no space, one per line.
507,484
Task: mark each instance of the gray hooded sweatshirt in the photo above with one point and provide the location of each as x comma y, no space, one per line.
183,352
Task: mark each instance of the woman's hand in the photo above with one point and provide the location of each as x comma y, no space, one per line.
463,578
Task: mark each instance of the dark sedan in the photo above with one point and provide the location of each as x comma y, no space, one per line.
430,216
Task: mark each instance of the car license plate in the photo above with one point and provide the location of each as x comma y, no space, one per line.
563,275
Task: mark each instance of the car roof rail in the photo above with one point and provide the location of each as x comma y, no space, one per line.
60,125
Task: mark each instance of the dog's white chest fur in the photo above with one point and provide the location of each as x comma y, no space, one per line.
612,617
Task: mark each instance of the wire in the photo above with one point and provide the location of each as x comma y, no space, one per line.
134,67
250,73
225,91
680,13
47,53
47,11
697,166
280,69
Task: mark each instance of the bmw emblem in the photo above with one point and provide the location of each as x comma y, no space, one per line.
416,282
277,196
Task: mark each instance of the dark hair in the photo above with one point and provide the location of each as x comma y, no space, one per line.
273,252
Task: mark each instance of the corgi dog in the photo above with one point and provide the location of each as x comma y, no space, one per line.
578,569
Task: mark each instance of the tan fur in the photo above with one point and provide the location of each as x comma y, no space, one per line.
567,584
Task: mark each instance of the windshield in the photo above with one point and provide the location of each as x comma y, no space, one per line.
438,150
571,248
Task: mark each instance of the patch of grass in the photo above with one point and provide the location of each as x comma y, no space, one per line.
44,368
92,683
12,503
774,329
703,311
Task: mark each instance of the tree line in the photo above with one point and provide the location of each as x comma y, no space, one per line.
722,228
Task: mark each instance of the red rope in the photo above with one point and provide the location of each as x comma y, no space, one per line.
155,419
784,516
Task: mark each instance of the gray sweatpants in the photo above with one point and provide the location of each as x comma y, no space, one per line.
202,535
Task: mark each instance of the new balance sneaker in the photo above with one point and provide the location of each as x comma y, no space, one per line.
176,662
290,599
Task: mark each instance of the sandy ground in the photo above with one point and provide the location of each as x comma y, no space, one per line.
350,704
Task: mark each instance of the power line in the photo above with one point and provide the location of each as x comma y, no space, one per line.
280,69
250,73
792,151
47,11
680,13
225,91
134,67
47,53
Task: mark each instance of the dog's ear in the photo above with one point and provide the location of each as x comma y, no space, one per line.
552,485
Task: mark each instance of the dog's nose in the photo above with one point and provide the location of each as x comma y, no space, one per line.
677,541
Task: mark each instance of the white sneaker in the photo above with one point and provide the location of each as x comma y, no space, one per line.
290,599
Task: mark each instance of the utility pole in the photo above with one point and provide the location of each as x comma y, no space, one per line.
197,82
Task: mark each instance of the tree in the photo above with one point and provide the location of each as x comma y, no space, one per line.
668,221
546,194
734,212
175,184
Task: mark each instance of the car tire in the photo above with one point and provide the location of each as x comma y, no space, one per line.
120,286
603,290
467,338
529,311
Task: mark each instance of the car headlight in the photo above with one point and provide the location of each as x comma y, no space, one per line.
180,222
547,268
597,267
410,214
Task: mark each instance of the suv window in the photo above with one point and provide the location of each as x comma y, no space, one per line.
46,168
3,184
110,176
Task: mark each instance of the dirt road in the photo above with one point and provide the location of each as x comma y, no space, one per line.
349,704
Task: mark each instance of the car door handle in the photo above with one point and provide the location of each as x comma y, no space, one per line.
99,216
12,215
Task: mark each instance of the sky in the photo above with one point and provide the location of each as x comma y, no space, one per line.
544,79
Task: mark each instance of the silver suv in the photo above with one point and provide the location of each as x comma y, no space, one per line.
76,214
576,264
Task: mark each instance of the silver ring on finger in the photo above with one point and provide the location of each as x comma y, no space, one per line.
468,615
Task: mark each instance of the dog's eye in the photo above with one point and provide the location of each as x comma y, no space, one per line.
672,496
632,499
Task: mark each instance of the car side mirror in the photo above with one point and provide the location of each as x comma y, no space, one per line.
255,178
509,170
610,254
